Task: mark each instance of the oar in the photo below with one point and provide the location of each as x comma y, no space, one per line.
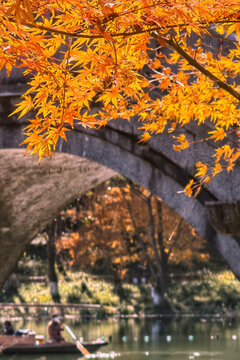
45,323
77,342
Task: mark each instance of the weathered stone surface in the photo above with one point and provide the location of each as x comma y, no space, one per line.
225,217
31,195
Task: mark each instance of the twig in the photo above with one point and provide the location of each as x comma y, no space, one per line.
174,45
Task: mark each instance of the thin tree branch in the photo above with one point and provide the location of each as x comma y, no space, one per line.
149,30
135,189
175,237
173,44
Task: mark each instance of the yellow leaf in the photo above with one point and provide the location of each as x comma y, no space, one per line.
201,169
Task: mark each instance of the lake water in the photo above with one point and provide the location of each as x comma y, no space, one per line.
152,339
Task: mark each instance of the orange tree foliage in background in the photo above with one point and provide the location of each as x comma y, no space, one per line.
80,52
120,234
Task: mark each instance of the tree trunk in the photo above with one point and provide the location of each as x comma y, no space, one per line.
159,272
51,249
164,255
161,285
118,288
60,265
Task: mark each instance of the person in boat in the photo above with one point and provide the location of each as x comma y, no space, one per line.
54,329
8,328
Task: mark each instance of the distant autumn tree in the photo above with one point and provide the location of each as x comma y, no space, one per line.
81,53
122,226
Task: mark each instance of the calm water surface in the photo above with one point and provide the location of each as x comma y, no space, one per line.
152,339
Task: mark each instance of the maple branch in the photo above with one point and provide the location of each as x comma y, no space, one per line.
174,45
120,34
65,83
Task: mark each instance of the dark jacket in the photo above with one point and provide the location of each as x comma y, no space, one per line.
8,328
54,332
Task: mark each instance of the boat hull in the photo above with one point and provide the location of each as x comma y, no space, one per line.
61,348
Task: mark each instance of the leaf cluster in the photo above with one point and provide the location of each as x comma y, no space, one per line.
86,60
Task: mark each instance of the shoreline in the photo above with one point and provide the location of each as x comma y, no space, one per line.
201,316
214,295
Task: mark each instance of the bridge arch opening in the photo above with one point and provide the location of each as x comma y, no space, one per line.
153,165
38,193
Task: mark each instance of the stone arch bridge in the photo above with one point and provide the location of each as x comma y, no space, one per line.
31,195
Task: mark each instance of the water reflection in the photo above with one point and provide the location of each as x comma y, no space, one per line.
152,339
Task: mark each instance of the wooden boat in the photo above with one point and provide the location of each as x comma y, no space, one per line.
29,347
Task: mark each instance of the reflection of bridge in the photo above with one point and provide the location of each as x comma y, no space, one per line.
31,195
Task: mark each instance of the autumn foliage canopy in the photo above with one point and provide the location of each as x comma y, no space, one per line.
86,58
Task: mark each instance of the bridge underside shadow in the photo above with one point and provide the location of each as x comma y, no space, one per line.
32,195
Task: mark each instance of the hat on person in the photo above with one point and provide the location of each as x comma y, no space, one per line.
55,317
7,323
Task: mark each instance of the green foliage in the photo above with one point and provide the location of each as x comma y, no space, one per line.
208,293
73,299
83,288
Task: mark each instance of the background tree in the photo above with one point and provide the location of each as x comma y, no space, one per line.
80,54
121,228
